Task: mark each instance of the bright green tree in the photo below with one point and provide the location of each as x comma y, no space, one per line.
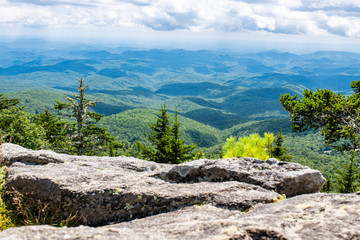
86,138
166,143
249,146
338,117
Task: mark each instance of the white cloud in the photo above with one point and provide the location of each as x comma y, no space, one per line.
320,4
300,17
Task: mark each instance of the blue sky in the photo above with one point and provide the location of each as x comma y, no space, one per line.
332,23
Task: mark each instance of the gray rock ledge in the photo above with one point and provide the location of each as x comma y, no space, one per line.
312,216
105,190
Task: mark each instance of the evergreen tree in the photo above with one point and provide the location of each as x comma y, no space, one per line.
347,176
328,186
86,138
278,150
159,137
179,151
337,116
167,145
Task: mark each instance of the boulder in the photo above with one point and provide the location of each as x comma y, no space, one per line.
103,190
311,216
286,178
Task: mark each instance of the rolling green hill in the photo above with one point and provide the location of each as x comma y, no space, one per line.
35,101
133,125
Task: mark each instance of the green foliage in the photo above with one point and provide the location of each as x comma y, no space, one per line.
338,117
348,176
278,151
249,146
5,215
133,125
160,138
308,149
335,114
38,213
86,138
36,101
16,127
261,127
179,151
328,186
19,214
6,103
167,145
55,129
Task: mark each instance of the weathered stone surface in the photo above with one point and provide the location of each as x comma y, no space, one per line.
104,190
286,178
312,216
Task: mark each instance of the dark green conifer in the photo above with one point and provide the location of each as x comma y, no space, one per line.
166,143
278,150
180,152
337,116
159,137
348,176
86,138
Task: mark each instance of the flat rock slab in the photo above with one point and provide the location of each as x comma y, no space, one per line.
104,190
312,216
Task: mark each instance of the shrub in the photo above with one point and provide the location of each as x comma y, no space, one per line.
250,146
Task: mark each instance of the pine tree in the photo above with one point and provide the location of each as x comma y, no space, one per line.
337,116
179,151
278,150
159,137
86,138
167,145
348,176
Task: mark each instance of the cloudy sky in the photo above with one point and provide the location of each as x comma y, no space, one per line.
297,21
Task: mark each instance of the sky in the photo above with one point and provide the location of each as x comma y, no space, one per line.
333,24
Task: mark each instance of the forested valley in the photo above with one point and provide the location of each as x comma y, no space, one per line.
214,94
